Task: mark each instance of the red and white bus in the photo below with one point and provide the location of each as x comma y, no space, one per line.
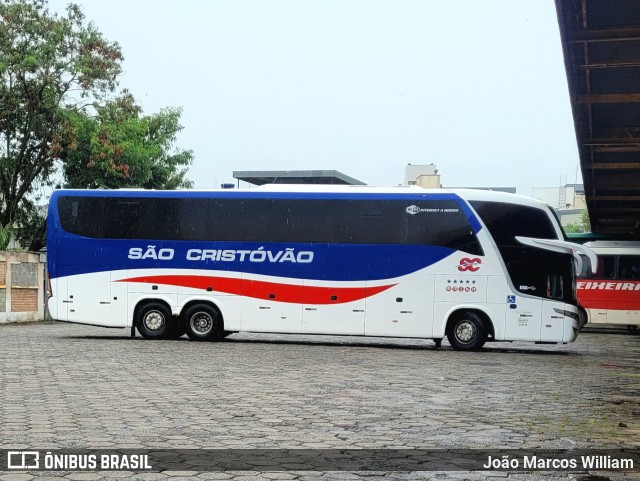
611,295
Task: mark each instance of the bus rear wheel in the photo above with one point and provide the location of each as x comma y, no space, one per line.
203,323
467,332
153,320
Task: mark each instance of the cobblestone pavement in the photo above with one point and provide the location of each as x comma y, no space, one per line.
71,386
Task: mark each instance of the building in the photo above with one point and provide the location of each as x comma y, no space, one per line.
262,177
568,201
422,175
426,176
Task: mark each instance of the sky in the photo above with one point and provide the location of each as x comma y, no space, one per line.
360,86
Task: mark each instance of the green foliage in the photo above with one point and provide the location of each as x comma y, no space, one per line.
6,234
48,63
120,147
31,224
582,226
57,78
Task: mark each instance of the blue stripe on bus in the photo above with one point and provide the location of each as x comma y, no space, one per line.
331,262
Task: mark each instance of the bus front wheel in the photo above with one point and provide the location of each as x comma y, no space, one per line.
153,320
467,331
203,323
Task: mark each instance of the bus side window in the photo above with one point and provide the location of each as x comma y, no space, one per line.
555,287
78,215
606,267
122,218
629,267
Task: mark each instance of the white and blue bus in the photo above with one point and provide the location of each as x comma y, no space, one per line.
470,265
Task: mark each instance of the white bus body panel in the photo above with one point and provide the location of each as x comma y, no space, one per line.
347,318
264,315
119,300
405,310
56,303
552,323
523,319
623,317
497,292
88,298
597,316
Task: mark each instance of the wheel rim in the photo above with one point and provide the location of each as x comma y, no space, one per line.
466,331
201,323
153,320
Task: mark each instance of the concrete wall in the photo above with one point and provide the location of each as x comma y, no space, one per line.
21,287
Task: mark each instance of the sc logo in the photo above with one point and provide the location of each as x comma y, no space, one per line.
467,264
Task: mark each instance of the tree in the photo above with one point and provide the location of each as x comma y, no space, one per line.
50,66
120,147
582,226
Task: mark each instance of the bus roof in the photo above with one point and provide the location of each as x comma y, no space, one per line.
287,190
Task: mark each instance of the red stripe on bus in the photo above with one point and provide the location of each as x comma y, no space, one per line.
272,291
607,294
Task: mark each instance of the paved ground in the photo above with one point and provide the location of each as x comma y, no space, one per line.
70,386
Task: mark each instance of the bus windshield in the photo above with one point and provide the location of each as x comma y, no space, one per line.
540,273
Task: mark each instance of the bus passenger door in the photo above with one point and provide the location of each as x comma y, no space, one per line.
328,310
523,318
119,300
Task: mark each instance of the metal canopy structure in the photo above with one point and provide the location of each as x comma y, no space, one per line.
262,177
601,44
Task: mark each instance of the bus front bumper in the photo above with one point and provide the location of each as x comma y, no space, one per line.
573,322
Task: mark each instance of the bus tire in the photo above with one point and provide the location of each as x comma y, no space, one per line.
203,323
153,320
467,331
